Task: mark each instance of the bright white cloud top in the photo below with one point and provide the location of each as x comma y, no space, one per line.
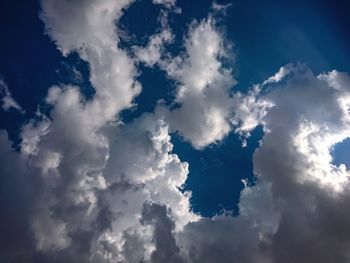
104,191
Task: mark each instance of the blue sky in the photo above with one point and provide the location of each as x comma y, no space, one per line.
256,37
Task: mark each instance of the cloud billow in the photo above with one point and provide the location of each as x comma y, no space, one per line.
86,187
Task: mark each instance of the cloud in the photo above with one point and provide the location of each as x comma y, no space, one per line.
86,187
203,90
309,116
248,112
202,111
224,238
88,27
151,54
166,249
17,195
82,166
280,74
166,3
223,8
94,183
296,211
7,99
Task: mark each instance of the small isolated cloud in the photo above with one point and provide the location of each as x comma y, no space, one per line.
7,99
221,7
166,3
152,53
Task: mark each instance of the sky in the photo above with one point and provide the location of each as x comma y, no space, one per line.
174,131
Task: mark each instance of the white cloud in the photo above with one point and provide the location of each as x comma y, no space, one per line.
249,111
95,173
93,189
312,116
309,116
154,52
280,74
166,3
88,27
203,91
151,54
300,197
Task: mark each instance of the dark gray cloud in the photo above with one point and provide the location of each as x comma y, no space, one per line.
309,116
166,249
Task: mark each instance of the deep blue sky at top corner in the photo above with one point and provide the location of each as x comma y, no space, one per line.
267,34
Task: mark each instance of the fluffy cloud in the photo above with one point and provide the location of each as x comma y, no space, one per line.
224,238
203,92
296,211
309,116
88,27
95,173
72,151
85,187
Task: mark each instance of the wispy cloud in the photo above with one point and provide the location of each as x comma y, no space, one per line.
7,99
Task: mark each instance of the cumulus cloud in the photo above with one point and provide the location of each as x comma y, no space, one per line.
95,173
224,238
202,111
203,91
295,212
85,187
90,197
309,115
88,27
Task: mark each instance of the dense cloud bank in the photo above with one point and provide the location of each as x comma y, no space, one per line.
86,187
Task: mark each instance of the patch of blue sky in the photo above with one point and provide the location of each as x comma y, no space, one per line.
341,153
216,173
